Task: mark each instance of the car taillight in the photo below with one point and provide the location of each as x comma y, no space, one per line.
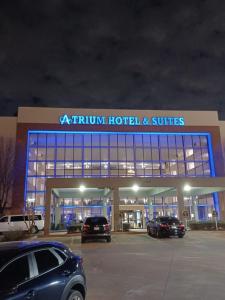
86,227
181,226
163,225
106,227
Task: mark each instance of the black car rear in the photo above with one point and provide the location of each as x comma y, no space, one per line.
96,228
165,227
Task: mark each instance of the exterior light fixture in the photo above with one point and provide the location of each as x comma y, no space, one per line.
187,188
209,215
135,188
82,188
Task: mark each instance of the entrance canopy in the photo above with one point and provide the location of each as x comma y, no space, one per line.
128,187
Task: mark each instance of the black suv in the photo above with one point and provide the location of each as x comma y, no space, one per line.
40,270
165,227
96,228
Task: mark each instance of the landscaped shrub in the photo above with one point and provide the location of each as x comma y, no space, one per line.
17,235
207,225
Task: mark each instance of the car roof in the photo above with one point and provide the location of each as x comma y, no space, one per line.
11,250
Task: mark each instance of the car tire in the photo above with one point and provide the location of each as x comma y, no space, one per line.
75,295
108,239
180,236
83,240
34,229
158,234
149,231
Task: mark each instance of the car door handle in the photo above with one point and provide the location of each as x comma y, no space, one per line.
66,273
30,295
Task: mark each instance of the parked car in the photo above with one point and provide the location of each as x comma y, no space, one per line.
165,227
22,222
40,270
96,228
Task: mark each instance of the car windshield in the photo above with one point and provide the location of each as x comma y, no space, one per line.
169,220
96,221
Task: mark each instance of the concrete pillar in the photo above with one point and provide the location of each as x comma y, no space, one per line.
150,209
116,209
180,203
104,209
47,211
57,213
222,205
195,207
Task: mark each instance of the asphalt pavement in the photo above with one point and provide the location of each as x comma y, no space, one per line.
136,266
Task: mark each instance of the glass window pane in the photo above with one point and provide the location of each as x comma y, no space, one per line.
45,261
9,278
104,154
32,153
147,154
187,141
122,154
139,154
154,141
41,154
87,154
113,154
104,140
50,154
155,154
95,140
130,154
51,139
171,141
60,139
87,139
69,154
77,153
78,140
33,139
163,140
146,140
95,154
113,140
164,155
138,140
121,140
129,140
40,168
42,140
69,139
60,153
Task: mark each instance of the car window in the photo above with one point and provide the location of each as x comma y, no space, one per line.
17,218
46,261
61,254
169,220
4,219
15,273
96,221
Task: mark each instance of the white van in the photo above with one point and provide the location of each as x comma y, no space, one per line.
22,222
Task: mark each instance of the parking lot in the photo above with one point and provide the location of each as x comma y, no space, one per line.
136,266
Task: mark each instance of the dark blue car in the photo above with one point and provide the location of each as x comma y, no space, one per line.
40,271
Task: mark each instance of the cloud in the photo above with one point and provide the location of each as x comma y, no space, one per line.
120,54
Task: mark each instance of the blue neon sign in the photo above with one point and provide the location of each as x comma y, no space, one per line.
120,120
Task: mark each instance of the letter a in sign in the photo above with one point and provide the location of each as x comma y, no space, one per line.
65,120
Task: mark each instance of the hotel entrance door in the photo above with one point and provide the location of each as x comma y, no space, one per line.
132,217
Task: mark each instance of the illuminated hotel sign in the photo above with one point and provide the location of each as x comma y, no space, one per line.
120,120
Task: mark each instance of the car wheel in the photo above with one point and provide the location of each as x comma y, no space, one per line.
83,240
75,295
108,239
180,236
149,231
158,234
34,229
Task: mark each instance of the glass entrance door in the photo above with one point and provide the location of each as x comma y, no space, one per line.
132,217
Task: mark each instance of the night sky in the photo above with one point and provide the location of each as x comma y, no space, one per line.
136,54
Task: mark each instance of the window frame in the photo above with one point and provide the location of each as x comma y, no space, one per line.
35,264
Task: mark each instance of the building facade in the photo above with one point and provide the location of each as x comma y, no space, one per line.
127,165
